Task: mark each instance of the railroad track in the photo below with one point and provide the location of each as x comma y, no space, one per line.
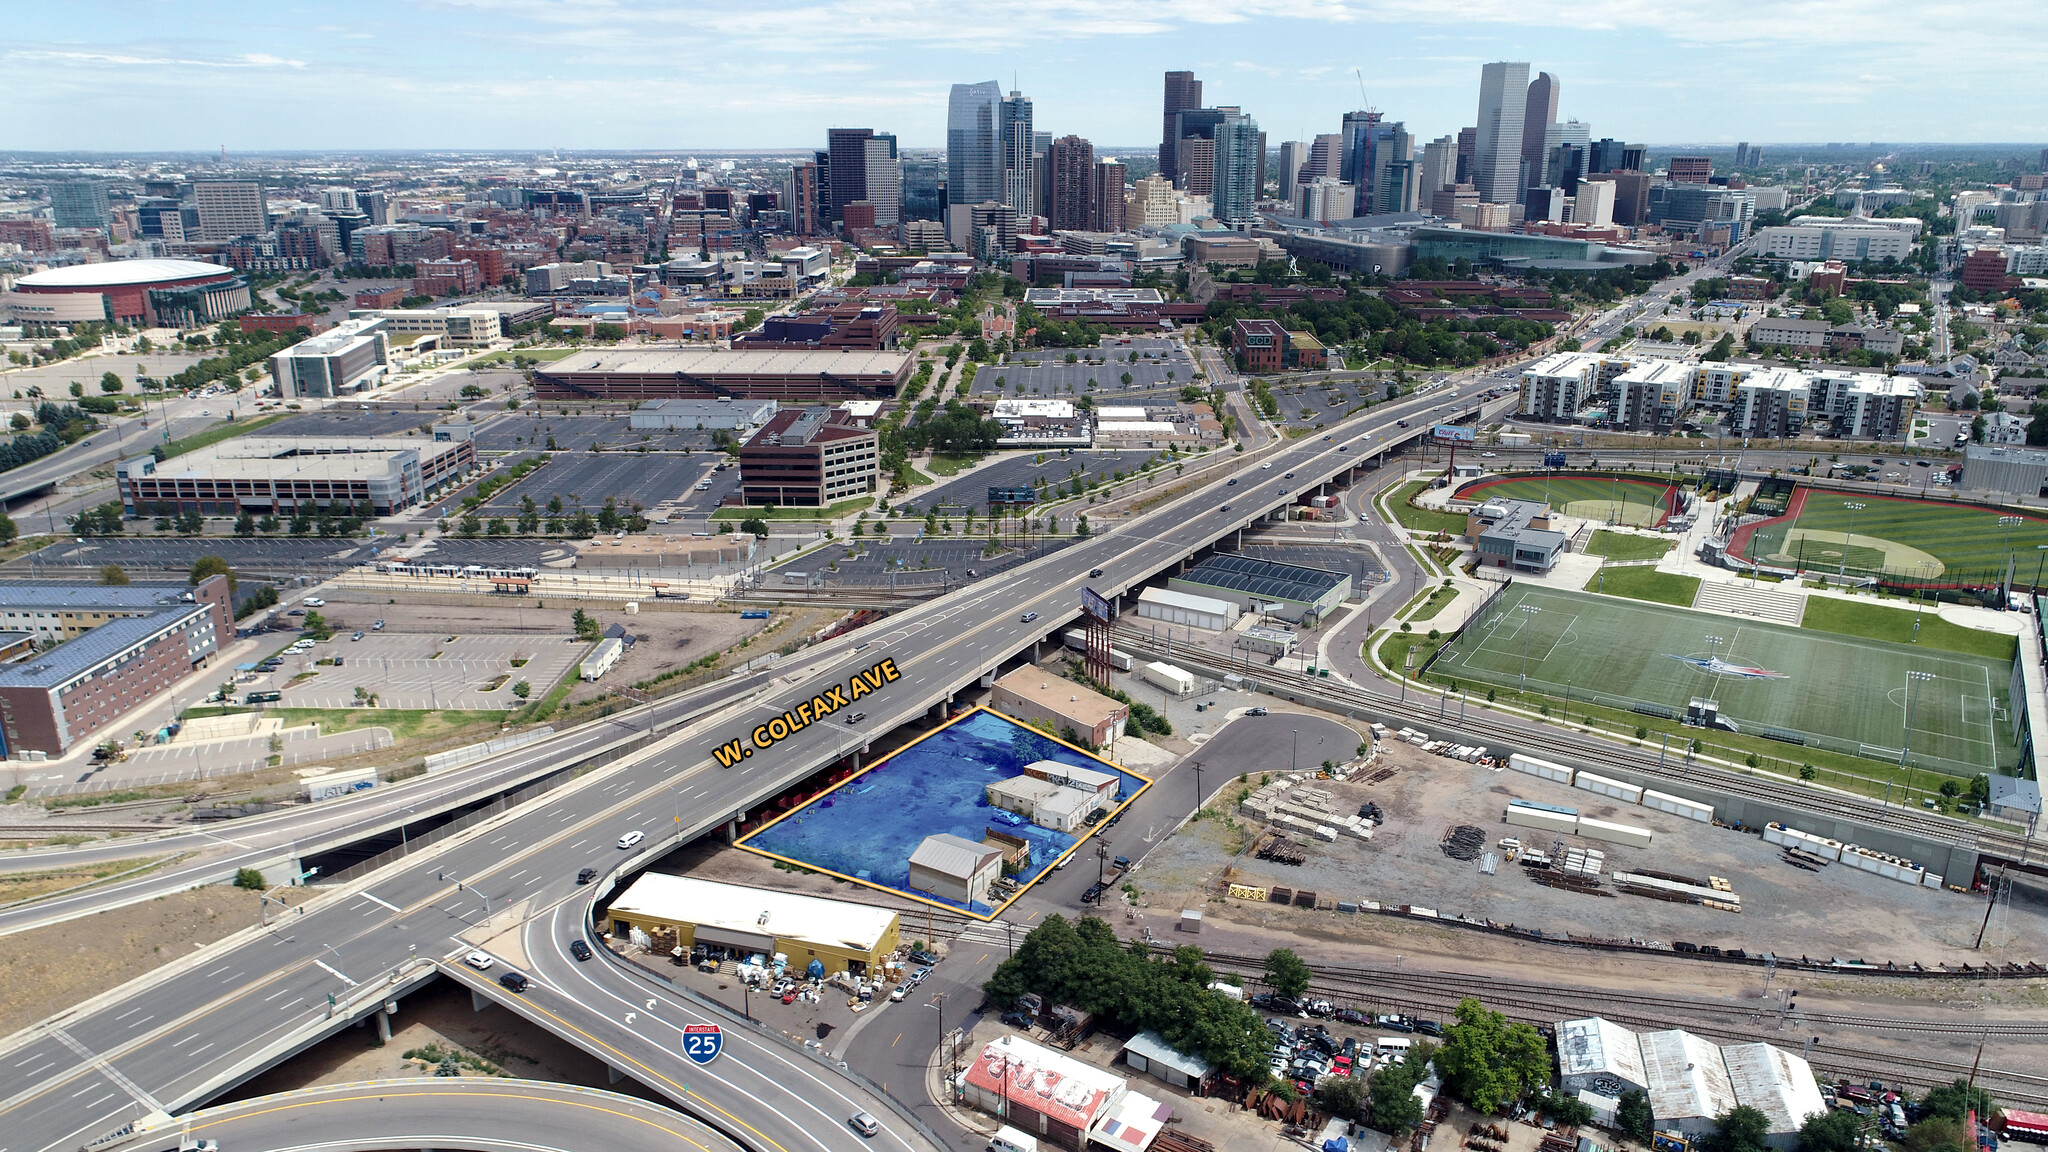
1481,725
1436,994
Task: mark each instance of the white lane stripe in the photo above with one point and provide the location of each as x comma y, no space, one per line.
374,900
337,973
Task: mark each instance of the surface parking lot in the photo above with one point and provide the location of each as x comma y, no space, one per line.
937,560
1054,376
351,422
415,671
585,481
1022,469
531,427
1356,561
1309,406
280,556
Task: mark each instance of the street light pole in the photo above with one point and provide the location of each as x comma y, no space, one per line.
1527,626
1906,744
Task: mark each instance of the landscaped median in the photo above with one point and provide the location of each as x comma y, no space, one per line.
838,511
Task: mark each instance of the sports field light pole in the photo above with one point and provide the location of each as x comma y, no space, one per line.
1907,743
2007,523
2040,554
1854,508
1532,610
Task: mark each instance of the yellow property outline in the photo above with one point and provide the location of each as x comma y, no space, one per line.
1144,783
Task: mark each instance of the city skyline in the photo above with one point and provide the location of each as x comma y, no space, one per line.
514,74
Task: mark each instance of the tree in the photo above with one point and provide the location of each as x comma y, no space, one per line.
110,383
114,575
522,689
1633,1115
755,525
1489,1063
1836,1131
77,389
249,878
1740,1129
1286,973
1395,1107
245,525
1954,1101
1080,527
587,627
316,625
8,529
207,566
1339,1096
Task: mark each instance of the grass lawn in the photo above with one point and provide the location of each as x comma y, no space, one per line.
842,508
1912,540
404,723
225,430
1647,584
1438,598
1895,625
1809,687
545,355
951,463
1642,503
1423,519
1622,546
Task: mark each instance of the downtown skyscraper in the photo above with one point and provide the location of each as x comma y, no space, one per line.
1497,147
1183,92
974,156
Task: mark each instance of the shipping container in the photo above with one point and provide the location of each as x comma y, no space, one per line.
1077,639
1614,789
1522,817
1545,807
1614,833
1543,768
1178,681
1678,806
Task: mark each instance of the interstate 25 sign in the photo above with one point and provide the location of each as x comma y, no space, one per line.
703,1042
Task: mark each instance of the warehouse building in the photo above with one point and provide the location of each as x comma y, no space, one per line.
1289,591
794,377
286,475
1690,1081
1148,1052
1060,1100
723,414
955,868
734,920
1043,802
1030,695
1186,609
116,647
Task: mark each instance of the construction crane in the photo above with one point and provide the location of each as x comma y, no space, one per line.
1362,97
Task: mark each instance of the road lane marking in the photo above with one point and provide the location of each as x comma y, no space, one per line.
335,972
374,900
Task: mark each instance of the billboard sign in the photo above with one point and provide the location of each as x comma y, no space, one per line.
1457,433
1093,604
1553,459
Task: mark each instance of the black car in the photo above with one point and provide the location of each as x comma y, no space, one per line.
1255,711
579,949
1094,893
1429,1028
1016,1018
1096,816
514,981
1289,476
586,876
1233,480
1095,571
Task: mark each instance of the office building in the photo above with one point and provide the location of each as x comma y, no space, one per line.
1031,695
1689,169
1070,171
730,920
1515,534
1264,346
805,208
1152,203
1437,171
1539,112
349,358
1183,92
1457,202
229,208
1325,158
1018,145
1293,154
1610,155
1378,161
78,204
115,648
1564,155
288,475
469,326
1468,146
1822,238
1593,204
1632,197
847,149
800,377
1497,146
1109,196
1324,200
974,170
808,458
884,181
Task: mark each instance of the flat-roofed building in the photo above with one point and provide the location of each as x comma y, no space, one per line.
116,648
1186,609
707,373
459,327
724,413
350,357
1515,534
1289,591
1103,784
955,868
1557,386
1772,403
2008,471
809,458
736,920
1043,802
1652,396
1048,1094
286,475
1029,694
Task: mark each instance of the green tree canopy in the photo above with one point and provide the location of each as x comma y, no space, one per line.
1286,973
1633,1116
114,574
1395,1107
1954,1102
1834,1131
1489,1063
207,566
1740,1129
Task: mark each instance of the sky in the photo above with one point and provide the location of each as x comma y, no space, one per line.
101,75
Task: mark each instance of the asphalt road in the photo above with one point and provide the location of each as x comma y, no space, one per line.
167,1040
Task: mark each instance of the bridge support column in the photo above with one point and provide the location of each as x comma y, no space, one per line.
383,1026
614,1073
478,1001
732,830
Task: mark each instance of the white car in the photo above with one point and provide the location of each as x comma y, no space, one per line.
478,961
631,838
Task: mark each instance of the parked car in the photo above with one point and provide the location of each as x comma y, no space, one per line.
1255,712
377,627
357,635
1094,892
920,956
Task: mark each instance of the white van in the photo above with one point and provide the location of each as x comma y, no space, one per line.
1394,1046
1008,1139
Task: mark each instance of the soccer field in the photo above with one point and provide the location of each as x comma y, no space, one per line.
1601,499
1903,541
1841,693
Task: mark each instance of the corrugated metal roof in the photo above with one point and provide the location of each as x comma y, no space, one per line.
1774,1082
951,855
1595,1046
1265,578
1687,1078
1187,601
1153,1047
758,911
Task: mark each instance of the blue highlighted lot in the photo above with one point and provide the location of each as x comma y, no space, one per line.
865,829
